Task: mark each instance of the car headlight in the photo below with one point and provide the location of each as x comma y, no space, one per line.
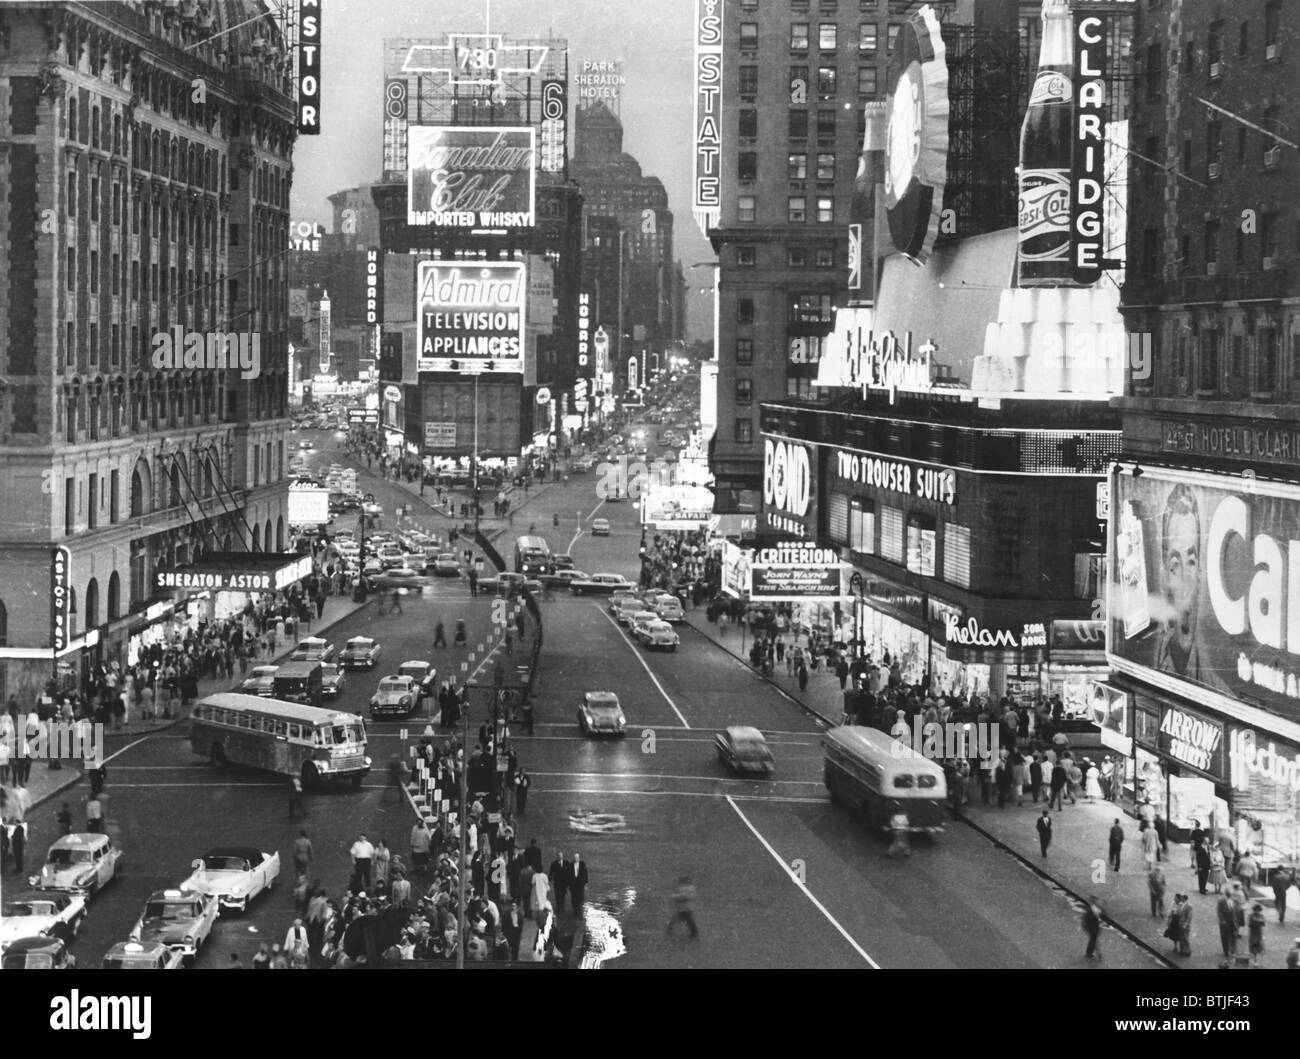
189,939
85,877
405,700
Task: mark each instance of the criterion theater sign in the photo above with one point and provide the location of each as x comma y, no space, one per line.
471,177
471,316
793,570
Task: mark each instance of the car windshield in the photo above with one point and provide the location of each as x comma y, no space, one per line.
602,707
660,626
28,908
359,645
390,686
347,734
131,963
171,911
225,864
63,857
328,671
20,961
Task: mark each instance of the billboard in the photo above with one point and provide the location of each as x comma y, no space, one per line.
471,316
555,114
788,488
471,177
1205,586
374,286
309,505
707,191
793,570
600,80
676,507
308,55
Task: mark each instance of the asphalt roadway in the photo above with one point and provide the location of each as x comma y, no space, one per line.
784,878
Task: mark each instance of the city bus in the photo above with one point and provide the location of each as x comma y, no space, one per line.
288,738
533,556
877,776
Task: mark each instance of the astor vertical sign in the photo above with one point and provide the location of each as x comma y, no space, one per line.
1088,153
708,114
60,598
309,68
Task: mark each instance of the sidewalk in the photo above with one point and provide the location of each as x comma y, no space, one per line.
1076,860
44,782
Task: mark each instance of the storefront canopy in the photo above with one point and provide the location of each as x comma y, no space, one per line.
236,572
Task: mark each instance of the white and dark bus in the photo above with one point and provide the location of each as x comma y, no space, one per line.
877,776
317,744
533,556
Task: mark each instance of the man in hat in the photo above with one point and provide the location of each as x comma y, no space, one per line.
1044,827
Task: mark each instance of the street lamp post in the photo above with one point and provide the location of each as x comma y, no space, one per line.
855,584
474,459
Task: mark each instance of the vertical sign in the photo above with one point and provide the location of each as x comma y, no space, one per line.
1088,154
309,68
60,598
555,111
584,332
708,114
374,287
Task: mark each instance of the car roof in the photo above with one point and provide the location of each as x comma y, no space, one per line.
265,669
136,948
36,943
744,733
82,840
249,853
174,895
402,678
415,662
310,640
359,640
599,698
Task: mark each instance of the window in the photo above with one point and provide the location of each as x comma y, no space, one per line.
746,257
748,80
70,345
744,391
745,208
1214,43
799,386
1154,78
94,198
826,123
826,166
1272,122
1238,355
92,505
1268,233
744,310
891,534
1208,374
826,79
744,432
1266,360
862,526
797,211
825,257
1243,141
798,36
1211,242
749,34
956,554
810,309
798,167
744,351
1187,155
825,210
117,203
921,546
1189,58
69,484
1272,23
826,36
71,267
1243,40
1213,142
72,194
1241,246
1185,251
796,257
1150,252
94,272
868,81
893,34
798,124
234,228
867,38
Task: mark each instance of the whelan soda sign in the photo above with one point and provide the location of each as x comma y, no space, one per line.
471,177
471,316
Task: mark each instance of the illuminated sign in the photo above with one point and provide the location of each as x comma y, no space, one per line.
707,197
1205,587
555,110
857,358
305,235
1193,739
580,395
972,634
471,316
1247,759
374,287
925,483
471,177
474,59
599,80
777,583
235,580
309,38
440,435
392,393
1108,709
309,505
1089,153
60,597
584,328
543,395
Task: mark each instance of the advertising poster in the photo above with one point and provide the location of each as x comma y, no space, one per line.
471,316
1205,589
471,177
309,505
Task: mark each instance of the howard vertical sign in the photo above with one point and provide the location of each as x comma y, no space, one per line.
309,68
60,598
707,193
374,287
1088,150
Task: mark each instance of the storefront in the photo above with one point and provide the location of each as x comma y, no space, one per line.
1076,660
1265,777
219,586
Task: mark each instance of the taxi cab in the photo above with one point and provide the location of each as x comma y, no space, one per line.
179,919
79,863
142,956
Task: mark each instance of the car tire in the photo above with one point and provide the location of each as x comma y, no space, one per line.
575,590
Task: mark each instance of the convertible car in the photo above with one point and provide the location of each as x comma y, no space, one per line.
234,875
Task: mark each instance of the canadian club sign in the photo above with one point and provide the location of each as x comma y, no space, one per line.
471,177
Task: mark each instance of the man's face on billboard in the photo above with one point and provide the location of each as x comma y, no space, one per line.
1182,558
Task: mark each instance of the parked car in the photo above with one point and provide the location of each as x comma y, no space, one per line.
259,681
601,584
25,915
446,565
234,875
395,697
331,680
599,712
563,561
179,919
743,749
80,863
360,652
656,635
632,618
624,607
312,649
669,608
142,956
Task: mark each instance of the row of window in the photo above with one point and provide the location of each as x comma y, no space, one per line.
826,7
796,165
255,722
827,82
1266,241
797,127
795,257
827,36
801,308
910,540
1216,50
1214,357
796,209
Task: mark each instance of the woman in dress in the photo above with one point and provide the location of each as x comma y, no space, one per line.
1217,874
1019,776
1092,783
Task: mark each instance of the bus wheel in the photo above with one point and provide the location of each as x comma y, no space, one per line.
356,781
218,755
310,777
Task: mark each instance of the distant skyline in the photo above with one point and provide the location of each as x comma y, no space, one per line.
653,42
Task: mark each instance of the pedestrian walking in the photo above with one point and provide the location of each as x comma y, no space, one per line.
420,842
1173,926
1218,875
296,945
1247,871
296,808
460,632
1255,929
684,911
523,781
1116,843
1203,862
64,818
1058,781
94,814
1226,910
577,882
302,854
1150,846
1156,886
1092,927
439,636
558,873
901,845
1044,827
1280,882
362,854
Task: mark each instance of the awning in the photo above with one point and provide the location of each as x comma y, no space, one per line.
236,572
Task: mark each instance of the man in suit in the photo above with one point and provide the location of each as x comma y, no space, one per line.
1044,831
559,875
577,882
512,926
533,856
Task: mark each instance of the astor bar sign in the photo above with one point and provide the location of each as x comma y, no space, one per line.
60,598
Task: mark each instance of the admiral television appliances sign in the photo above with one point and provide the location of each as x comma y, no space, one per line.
471,177
471,316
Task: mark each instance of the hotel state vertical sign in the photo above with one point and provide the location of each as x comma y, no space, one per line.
707,189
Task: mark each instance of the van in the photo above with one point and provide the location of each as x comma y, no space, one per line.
299,682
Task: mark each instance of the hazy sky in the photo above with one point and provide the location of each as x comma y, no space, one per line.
653,40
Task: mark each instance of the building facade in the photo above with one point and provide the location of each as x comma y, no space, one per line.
136,205
1205,617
